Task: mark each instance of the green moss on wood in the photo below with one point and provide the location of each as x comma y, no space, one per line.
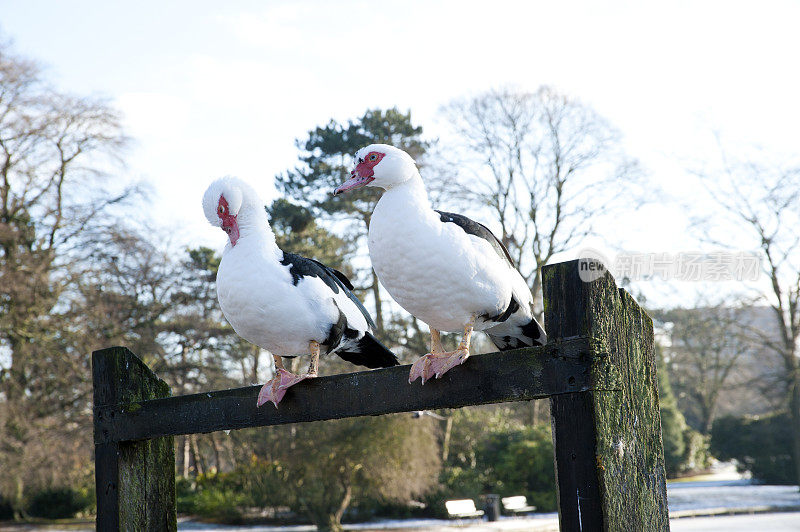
629,460
628,424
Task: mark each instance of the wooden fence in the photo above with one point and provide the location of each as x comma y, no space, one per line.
598,369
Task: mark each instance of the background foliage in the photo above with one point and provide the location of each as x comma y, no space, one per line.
761,445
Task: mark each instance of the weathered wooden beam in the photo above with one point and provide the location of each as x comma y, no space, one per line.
609,455
135,480
523,374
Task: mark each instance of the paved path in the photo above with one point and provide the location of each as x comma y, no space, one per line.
772,522
684,496
778,522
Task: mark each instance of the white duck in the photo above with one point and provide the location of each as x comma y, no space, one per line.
445,269
282,302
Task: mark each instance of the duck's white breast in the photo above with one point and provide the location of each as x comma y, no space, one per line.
434,270
258,298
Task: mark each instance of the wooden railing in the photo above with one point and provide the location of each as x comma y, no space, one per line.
598,370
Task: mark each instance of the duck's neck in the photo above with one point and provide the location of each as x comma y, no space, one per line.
254,230
410,193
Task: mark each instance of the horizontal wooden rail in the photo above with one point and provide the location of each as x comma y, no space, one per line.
566,366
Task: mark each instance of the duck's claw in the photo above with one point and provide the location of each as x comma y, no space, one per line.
275,388
420,369
446,361
436,364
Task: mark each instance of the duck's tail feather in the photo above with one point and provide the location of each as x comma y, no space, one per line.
526,335
368,351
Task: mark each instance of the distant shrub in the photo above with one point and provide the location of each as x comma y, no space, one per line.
461,482
696,455
224,497
508,461
185,493
761,445
214,496
58,503
673,427
224,505
520,462
368,508
685,449
263,481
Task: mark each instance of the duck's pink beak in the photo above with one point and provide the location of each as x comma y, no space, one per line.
231,226
355,181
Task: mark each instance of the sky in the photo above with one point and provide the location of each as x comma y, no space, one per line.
224,88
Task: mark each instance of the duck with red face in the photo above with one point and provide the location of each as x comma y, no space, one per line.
444,268
228,220
287,304
363,173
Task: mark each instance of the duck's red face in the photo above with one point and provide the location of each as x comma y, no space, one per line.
228,220
363,173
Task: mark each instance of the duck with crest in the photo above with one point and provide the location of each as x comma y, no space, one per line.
282,302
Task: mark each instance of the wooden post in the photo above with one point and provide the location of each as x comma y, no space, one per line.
135,480
608,450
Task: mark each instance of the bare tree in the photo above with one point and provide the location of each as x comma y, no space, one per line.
546,165
707,344
760,206
137,292
52,150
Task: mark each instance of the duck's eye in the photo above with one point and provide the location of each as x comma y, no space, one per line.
373,156
222,210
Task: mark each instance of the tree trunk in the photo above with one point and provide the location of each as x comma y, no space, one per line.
198,466
186,457
324,516
328,523
256,356
535,407
376,293
709,412
536,292
348,493
448,428
215,449
17,504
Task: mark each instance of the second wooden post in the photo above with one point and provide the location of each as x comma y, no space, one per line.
608,449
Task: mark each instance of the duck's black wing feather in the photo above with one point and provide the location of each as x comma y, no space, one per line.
365,351
472,227
300,267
